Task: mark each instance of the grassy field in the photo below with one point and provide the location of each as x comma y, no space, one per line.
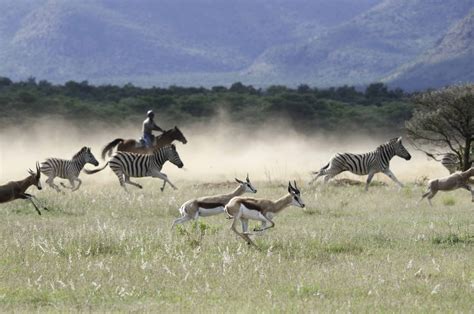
102,250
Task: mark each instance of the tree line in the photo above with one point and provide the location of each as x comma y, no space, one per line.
305,108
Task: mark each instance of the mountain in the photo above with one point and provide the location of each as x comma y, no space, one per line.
365,48
450,60
212,42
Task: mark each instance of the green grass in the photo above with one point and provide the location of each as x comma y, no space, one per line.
99,249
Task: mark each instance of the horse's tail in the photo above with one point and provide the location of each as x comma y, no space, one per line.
95,170
110,146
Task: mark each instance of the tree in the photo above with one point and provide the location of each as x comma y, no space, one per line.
444,119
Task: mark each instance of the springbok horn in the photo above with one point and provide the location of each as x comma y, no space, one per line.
247,177
295,184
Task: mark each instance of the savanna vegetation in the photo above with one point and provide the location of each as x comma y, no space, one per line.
305,108
100,249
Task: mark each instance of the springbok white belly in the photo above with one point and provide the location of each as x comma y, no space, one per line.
205,212
251,214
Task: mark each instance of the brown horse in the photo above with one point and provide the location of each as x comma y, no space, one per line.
162,140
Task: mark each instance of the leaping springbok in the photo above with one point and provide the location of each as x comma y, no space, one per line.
245,208
16,189
211,205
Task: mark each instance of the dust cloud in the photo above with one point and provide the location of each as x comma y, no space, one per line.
217,151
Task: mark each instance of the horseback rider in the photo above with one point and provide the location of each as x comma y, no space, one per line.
149,126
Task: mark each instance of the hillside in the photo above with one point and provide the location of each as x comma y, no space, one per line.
449,61
366,48
207,42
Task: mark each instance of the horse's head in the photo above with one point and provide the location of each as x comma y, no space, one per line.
35,177
179,135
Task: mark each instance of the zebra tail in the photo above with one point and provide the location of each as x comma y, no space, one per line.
95,170
110,146
433,156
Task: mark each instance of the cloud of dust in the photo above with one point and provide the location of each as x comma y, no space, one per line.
216,151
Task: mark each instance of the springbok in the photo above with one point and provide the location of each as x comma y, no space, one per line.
211,205
16,189
450,183
245,208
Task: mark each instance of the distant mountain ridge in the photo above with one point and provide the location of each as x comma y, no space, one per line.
260,42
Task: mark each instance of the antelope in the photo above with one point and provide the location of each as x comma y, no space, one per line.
245,208
450,183
16,189
211,205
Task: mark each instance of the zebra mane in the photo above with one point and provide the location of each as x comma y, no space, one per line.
76,155
386,144
164,148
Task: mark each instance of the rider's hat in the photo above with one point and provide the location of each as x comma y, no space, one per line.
150,113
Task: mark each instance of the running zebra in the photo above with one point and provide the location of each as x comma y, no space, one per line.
126,165
451,162
366,164
67,169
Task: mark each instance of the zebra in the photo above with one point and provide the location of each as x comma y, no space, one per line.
366,164
127,164
67,169
451,162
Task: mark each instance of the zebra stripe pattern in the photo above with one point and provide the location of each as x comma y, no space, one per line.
366,164
67,169
451,162
126,165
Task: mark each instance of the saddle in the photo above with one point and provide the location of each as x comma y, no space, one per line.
140,143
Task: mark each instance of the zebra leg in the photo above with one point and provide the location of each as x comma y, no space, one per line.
127,180
50,182
328,177
390,174
71,182
79,183
164,177
369,179
316,177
